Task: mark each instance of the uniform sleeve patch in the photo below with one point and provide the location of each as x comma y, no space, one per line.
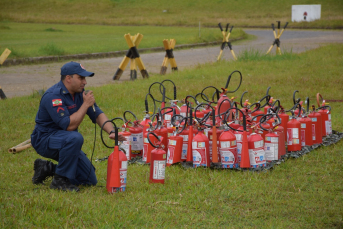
57,102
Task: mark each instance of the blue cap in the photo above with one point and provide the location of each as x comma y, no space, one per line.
75,68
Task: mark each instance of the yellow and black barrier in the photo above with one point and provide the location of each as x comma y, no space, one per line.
169,57
4,56
277,38
226,41
133,55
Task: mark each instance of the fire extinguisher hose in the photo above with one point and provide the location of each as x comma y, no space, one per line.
229,79
216,92
159,140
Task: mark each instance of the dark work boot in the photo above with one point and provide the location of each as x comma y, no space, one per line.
43,169
63,183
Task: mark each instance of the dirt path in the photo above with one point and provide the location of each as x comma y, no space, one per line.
24,80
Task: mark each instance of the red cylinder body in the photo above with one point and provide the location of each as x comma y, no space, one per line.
293,135
316,127
126,145
116,171
280,131
271,146
256,151
157,166
200,150
265,109
224,106
183,110
162,132
326,122
239,141
137,140
284,120
228,150
184,135
174,150
145,123
256,120
147,148
209,134
264,132
306,131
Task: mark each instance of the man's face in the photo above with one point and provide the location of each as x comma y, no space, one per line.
77,83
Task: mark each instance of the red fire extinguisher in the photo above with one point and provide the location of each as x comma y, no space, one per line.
256,150
136,131
145,122
158,160
147,148
284,119
175,147
116,165
293,132
272,139
257,113
316,126
306,127
126,145
325,111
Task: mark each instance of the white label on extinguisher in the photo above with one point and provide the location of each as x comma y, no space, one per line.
271,151
295,132
303,125
238,137
329,116
258,144
314,119
314,132
126,147
137,141
257,157
206,132
185,138
196,158
184,151
159,170
167,117
123,177
124,165
239,151
328,128
225,144
227,157
145,152
303,137
172,142
170,154
183,114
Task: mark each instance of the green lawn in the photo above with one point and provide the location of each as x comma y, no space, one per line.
300,193
33,40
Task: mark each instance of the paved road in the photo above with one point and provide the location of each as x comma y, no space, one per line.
24,80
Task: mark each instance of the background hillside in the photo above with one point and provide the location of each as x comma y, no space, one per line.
241,13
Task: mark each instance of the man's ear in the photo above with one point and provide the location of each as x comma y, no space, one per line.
69,77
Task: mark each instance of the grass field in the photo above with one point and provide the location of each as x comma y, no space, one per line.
34,40
165,13
300,193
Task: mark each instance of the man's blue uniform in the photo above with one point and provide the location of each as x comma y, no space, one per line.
51,139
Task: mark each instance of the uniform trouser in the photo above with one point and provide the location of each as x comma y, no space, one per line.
65,147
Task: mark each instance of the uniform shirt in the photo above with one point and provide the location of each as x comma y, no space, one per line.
56,106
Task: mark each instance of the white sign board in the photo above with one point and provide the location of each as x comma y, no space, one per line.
305,12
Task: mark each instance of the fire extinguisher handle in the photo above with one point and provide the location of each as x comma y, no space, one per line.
124,115
294,100
217,92
174,88
161,85
242,98
148,137
116,133
267,98
229,79
147,104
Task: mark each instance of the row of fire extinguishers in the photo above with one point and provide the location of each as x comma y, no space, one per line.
214,132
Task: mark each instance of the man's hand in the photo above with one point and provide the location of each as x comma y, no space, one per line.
88,98
120,137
